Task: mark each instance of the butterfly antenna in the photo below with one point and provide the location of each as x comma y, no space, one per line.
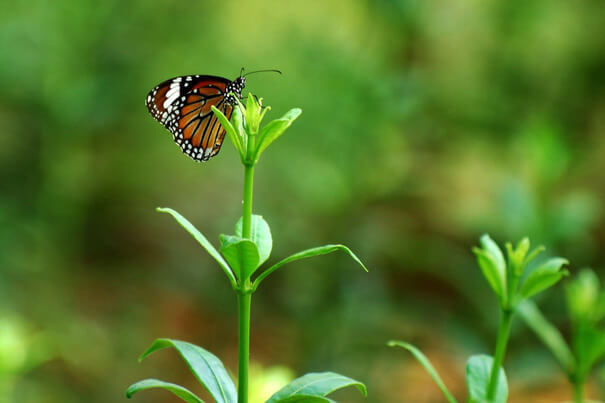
260,71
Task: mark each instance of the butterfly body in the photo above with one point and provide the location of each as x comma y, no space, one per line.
183,106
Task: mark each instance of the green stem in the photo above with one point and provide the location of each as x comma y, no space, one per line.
578,391
244,300
244,295
506,317
247,207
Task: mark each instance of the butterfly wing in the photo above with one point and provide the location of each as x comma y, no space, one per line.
183,106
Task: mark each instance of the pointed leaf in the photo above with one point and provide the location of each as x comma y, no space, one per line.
543,277
549,334
492,264
242,255
206,367
478,369
427,366
260,234
488,268
321,250
176,390
274,129
202,241
316,384
233,134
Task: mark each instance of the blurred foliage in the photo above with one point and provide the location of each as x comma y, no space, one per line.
425,124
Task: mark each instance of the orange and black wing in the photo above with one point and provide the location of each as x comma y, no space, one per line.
183,106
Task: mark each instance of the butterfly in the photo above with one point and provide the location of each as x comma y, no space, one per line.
183,106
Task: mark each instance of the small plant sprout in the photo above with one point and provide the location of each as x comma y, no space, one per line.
513,283
240,256
586,306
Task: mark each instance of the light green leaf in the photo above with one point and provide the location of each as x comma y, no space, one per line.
549,334
582,294
260,234
242,255
427,366
202,241
176,390
316,384
490,272
478,369
321,250
206,367
252,114
305,399
273,130
231,132
543,277
516,256
498,265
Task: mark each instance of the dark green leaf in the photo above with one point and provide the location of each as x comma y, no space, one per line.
549,334
206,367
260,234
242,255
275,129
202,241
589,346
478,369
427,366
177,390
543,277
321,250
315,384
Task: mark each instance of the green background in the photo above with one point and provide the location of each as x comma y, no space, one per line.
424,124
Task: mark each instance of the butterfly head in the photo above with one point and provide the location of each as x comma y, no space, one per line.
235,87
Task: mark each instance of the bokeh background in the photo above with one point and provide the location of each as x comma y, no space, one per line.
425,124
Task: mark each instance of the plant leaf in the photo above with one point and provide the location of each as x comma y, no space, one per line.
260,234
548,334
176,390
233,134
206,367
427,366
201,239
543,277
270,132
321,250
488,268
242,255
583,296
305,399
492,264
478,369
316,384
589,347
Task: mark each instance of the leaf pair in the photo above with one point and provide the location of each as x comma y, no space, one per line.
211,373
509,279
242,257
478,368
246,123
246,255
